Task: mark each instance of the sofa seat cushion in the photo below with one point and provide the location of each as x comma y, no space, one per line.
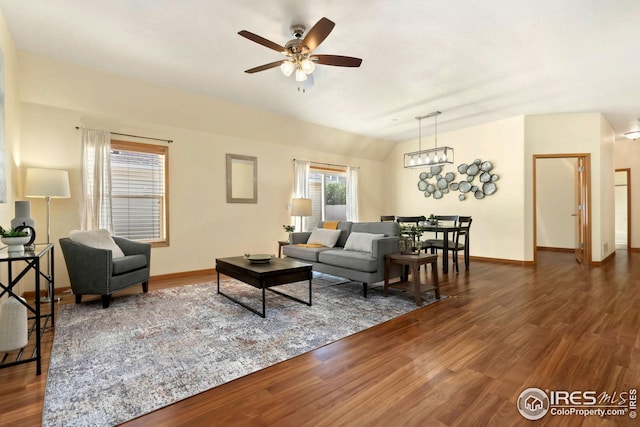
353,260
302,252
128,263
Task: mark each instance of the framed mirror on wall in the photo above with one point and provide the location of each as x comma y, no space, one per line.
242,179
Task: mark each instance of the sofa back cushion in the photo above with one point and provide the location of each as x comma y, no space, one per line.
361,242
389,229
345,229
324,237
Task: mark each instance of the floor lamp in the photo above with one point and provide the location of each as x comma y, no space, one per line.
47,184
300,207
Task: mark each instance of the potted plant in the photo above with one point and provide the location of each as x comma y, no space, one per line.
289,229
433,220
14,239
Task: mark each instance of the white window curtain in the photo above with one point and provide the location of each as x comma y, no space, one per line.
301,170
352,194
96,180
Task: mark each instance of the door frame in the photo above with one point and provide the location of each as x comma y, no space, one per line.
628,174
586,225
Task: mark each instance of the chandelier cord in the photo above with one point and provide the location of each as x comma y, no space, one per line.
436,137
420,134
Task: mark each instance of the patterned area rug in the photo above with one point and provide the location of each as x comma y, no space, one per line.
147,351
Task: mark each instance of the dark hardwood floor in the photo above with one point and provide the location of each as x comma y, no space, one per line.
462,361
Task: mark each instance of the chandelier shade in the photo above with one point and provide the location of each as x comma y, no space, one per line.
430,156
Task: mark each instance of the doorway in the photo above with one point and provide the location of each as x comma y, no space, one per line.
562,204
623,209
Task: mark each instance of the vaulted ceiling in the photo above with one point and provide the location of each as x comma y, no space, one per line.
476,61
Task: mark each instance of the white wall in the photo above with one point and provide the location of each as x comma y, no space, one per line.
622,209
576,134
203,226
607,171
503,223
497,229
627,155
555,202
11,131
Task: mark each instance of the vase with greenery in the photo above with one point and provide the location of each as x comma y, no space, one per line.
289,229
15,240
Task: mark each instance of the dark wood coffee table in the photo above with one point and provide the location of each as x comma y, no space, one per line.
264,276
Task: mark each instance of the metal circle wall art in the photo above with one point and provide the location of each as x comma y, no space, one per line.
445,183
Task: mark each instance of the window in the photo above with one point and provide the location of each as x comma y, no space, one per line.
328,192
139,191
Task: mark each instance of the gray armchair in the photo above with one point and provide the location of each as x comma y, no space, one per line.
94,271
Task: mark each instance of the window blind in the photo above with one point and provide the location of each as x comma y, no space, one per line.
138,194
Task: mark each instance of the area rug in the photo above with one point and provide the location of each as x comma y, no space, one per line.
147,351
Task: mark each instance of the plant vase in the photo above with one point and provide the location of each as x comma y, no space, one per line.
15,245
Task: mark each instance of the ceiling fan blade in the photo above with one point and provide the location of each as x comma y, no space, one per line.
264,67
337,60
261,40
318,33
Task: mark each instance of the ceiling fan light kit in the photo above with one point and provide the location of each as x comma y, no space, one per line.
431,156
634,134
299,51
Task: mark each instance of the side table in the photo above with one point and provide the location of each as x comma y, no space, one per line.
281,243
413,262
32,260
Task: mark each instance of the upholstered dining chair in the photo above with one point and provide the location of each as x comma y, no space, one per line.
102,268
448,220
459,242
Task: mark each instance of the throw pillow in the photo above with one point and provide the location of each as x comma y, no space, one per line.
362,242
99,239
324,237
331,225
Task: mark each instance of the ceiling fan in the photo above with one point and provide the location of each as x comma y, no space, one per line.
298,51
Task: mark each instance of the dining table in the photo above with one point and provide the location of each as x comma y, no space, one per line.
416,231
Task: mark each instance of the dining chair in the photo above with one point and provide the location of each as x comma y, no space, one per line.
459,242
384,218
447,220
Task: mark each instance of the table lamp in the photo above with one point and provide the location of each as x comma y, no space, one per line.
300,207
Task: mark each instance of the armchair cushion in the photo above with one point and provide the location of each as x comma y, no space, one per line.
128,263
100,239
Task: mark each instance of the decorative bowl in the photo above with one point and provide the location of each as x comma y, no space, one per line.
258,258
15,244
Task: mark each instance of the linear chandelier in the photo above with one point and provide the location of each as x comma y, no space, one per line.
430,156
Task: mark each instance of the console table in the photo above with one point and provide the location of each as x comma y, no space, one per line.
32,259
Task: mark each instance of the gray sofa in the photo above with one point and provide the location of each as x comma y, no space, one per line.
362,267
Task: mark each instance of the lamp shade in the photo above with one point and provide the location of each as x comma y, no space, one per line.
301,207
42,183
